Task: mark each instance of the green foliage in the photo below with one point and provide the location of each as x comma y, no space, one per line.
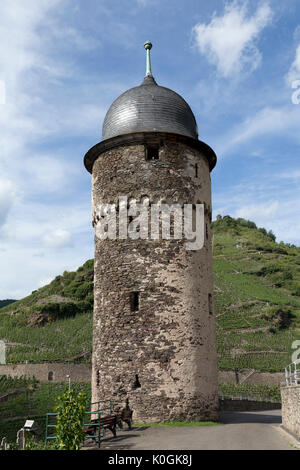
31,444
258,317
9,384
88,265
71,409
271,235
55,341
253,391
83,290
269,269
280,317
68,309
33,403
296,291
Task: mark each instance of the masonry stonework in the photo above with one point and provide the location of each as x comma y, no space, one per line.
49,371
163,356
290,397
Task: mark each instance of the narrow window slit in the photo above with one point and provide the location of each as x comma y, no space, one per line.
136,382
210,304
152,152
134,301
196,170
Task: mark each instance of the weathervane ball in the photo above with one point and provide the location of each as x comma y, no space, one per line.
148,45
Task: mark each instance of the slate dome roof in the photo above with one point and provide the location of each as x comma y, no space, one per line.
149,108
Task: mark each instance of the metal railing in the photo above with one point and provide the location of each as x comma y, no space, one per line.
292,374
98,409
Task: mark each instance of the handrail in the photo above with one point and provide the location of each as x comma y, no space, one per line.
292,374
97,434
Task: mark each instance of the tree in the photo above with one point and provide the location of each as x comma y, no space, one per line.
71,409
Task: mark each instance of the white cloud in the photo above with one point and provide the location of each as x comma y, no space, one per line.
268,209
258,198
49,174
7,199
267,121
228,41
57,239
294,72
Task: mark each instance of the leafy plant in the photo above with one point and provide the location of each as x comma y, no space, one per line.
71,409
31,444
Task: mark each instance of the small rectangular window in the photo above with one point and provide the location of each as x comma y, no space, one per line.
134,301
210,304
196,170
152,152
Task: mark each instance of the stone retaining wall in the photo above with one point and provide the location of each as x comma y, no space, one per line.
257,377
48,371
290,397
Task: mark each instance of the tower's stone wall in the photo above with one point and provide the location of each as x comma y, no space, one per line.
163,356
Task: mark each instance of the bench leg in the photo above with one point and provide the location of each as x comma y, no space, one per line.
113,430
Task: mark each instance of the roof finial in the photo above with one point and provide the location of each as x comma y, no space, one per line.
148,47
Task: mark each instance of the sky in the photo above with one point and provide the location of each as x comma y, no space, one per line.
63,62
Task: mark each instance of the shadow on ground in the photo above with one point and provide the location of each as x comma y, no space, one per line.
236,417
122,441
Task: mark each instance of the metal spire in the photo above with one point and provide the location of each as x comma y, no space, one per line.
148,47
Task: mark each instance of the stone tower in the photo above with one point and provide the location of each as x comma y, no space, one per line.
154,338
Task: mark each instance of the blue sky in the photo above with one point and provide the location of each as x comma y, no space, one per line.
63,62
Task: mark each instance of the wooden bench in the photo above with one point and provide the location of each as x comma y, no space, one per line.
109,422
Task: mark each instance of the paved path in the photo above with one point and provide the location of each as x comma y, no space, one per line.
240,431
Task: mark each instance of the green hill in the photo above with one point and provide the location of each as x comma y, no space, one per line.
257,304
3,303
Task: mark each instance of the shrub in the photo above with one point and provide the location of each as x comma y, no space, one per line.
287,275
51,310
296,292
89,265
71,409
281,317
280,249
271,235
83,290
84,306
70,289
246,223
263,231
265,270
90,298
68,309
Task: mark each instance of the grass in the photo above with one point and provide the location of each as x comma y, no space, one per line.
35,401
258,315
260,392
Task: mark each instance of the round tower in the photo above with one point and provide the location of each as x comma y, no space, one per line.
154,339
